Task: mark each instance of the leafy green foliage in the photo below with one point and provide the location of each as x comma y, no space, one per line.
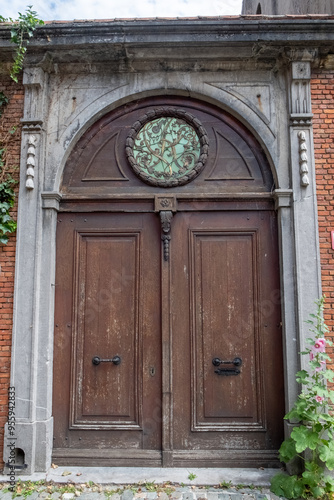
225,484
3,101
7,196
312,439
21,31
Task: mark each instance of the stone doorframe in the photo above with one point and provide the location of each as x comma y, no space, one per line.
48,137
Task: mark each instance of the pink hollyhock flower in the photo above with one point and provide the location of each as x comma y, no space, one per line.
319,345
319,399
319,368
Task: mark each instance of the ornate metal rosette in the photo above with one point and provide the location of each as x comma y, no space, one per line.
167,147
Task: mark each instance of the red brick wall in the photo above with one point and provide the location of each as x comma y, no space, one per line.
322,88
11,116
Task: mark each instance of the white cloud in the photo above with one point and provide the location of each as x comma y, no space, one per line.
110,9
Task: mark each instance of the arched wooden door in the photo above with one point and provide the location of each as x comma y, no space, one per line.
167,323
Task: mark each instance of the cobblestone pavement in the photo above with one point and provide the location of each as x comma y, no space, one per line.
69,491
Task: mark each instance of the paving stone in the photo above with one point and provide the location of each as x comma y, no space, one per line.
176,495
213,495
115,496
161,496
152,495
223,496
91,495
5,495
56,495
127,495
201,494
190,496
68,496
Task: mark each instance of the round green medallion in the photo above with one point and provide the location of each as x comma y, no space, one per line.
167,150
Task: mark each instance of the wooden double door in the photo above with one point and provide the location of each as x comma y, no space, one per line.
168,360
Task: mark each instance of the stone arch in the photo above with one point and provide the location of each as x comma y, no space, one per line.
85,171
219,97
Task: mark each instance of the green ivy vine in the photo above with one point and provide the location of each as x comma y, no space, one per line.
22,29
7,195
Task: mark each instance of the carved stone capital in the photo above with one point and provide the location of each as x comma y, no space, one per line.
165,202
51,200
283,198
301,120
31,125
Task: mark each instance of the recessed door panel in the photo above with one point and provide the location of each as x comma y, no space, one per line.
223,270
106,327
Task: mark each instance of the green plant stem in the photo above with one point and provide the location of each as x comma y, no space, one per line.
21,30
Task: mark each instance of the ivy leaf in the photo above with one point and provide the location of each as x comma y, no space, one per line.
304,438
3,240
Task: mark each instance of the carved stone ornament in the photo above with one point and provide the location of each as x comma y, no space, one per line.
303,159
166,220
31,153
167,147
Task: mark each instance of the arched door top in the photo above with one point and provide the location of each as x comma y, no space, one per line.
204,150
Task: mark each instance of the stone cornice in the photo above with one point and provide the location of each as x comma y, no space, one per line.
212,42
285,31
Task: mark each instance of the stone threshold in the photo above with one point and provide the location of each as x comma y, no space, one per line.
134,475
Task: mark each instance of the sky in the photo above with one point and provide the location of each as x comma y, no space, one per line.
67,10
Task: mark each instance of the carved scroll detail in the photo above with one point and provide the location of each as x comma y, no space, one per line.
31,153
303,159
166,219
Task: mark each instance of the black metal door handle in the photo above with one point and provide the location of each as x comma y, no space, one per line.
235,362
227,371
97,360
